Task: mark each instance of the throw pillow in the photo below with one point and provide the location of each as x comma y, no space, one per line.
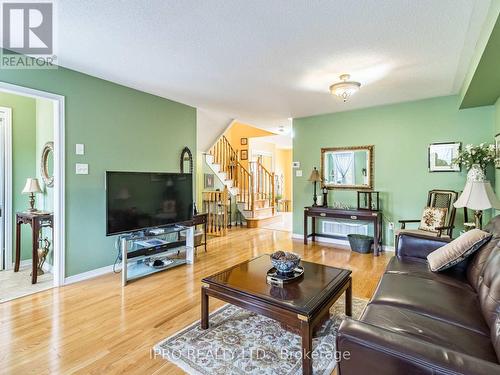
432,218
457,250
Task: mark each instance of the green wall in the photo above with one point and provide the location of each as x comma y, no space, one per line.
401,134
23,160
497,131
122,129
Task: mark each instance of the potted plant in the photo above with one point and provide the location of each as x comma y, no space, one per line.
475,159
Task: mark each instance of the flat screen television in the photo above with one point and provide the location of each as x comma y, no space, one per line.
140,200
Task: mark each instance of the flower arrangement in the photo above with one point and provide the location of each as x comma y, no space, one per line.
481,155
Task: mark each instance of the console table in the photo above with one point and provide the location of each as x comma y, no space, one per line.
201,219
37,220
329,212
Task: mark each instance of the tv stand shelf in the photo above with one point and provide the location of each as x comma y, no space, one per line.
137,253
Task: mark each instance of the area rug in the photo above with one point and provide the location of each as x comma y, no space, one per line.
241,342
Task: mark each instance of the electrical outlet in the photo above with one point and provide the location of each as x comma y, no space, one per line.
391,225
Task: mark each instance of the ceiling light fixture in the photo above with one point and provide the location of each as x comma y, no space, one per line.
346,88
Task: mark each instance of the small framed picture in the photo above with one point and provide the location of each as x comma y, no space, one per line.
440,157
209,181
497,151
244,154
243,141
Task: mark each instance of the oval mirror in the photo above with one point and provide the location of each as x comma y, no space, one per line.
47,164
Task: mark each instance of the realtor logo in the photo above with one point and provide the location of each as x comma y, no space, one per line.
27,35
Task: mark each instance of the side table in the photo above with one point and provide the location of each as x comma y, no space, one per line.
37,220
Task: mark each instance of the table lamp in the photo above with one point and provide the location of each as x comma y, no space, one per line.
315,178
478,196
32,186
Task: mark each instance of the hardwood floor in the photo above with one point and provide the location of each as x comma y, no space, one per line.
98,327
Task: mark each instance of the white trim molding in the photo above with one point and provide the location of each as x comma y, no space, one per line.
339,243
88,275
59,172
28,262
7,215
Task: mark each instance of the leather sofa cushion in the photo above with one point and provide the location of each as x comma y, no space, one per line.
419,268
489,288
477,262
446,302
495,336
438,332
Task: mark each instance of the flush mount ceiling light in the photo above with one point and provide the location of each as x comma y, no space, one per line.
346,88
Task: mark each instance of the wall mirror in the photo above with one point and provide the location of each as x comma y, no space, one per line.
186,162
47,164
347,167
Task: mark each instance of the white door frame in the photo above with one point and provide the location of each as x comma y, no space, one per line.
6,188
59,173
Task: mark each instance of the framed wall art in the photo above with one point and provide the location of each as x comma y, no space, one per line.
440,157
209,181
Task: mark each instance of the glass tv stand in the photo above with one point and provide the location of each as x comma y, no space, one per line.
165,246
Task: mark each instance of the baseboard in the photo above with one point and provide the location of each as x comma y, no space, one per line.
342,243
88,275
28,262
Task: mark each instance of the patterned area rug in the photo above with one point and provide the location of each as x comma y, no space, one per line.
241,342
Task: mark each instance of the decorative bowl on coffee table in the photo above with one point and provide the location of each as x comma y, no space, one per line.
285,262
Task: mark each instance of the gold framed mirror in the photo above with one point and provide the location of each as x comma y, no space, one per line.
47,164
347,167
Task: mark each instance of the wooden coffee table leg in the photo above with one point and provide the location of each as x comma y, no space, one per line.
306,333
348,299
204,308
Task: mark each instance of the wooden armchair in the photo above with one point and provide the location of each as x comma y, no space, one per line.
439,199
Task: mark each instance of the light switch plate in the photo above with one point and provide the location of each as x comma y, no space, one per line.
81,168
80,149
298,173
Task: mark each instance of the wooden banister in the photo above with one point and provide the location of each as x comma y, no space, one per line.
216,205
253,183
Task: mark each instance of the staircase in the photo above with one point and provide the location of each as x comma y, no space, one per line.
253,187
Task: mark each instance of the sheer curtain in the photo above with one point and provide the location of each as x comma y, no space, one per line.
343,163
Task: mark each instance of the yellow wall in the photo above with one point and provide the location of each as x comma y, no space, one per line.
284,166
239,130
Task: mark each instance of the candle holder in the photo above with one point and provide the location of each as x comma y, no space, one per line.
325,196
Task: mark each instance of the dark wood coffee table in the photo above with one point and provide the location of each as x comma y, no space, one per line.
301,305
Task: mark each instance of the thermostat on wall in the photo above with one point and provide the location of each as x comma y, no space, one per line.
296,164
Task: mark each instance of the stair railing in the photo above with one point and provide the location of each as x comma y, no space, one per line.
264,183
252,184
226,157
216,205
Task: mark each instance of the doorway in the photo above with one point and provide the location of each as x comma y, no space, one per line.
31,154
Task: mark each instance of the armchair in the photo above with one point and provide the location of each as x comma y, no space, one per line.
438,199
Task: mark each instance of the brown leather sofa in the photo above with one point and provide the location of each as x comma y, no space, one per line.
421,322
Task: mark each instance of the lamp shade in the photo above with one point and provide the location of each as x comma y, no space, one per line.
477,195
315,177
32,186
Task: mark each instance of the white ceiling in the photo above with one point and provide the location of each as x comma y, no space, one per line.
264,61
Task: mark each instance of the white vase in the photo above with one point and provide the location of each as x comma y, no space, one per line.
476,173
